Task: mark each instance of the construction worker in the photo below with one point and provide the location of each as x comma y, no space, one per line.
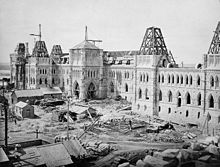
130,124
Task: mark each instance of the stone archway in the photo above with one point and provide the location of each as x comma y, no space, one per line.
76,90
91,92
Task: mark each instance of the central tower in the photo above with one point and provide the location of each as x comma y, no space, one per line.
86,73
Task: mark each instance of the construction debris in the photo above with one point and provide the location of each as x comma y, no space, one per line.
113,135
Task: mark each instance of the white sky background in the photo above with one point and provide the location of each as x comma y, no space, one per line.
187,25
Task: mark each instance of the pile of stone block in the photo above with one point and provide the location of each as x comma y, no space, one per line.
195,154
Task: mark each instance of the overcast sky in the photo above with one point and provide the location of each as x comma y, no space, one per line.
187,25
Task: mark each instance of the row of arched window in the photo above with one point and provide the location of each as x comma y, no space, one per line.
126,74
188,80
118,75
43,71
92,73
188,99
32,80
43,81
76,73
179,79
140,96
214,82
53,71
143,77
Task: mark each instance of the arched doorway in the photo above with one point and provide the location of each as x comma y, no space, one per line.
91,93
76,90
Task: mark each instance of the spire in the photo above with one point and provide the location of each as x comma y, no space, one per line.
39,32
86,34
215,44
153,42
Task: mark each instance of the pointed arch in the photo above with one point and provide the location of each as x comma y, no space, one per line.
198,82
91,92
211,101
88,73
199,99
40,81
190,80
216,82
146,94
126,87
172,78
186,79
162,78
187,113
179,99
139,93
160,95
212,81
76,89
177,79
170,96
147,77
168,78
140,77
94,74
181,79
159,78
188,98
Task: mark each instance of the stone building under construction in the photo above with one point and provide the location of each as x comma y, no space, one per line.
149,77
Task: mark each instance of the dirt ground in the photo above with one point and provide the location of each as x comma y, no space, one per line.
113,125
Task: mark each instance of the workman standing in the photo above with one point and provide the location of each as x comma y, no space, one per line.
130,124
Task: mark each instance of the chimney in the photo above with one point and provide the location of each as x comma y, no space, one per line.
26,49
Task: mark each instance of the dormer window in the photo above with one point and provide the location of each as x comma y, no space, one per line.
120,62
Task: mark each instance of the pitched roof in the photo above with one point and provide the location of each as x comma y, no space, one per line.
40,49
31,157
74,148
85,45
21,104
55,155
28,93
53,90
122,53
3,156
56,50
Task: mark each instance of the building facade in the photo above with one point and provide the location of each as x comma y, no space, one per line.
149,77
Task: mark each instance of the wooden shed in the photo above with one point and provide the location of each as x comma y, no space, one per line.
52,92
24,110
30,95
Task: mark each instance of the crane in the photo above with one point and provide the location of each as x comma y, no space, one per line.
39,35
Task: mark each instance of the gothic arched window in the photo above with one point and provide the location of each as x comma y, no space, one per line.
170,96
160,96
211,101
126,87
199,99
188,98
140,93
